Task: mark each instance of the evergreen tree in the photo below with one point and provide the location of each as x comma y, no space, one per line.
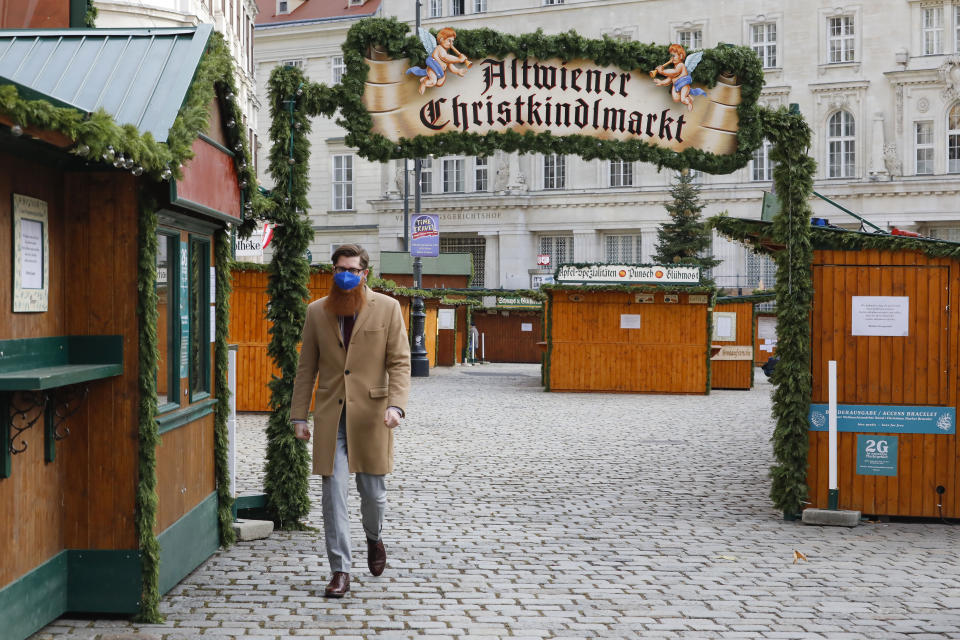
686,239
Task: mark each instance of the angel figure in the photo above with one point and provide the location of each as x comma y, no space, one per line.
679,75
439,58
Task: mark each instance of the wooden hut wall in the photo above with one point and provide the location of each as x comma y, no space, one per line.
463,328
430,330
761,355
84,499
503,338
249,330
735,374
590,352
918,369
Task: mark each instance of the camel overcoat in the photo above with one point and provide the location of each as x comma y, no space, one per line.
373,373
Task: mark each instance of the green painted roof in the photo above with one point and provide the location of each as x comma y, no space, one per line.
138,76
447,264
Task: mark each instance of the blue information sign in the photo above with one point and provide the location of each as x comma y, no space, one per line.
425,235
876,455
886,418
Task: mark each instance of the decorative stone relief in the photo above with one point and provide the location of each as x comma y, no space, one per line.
891,160
923,105
899,108
949,73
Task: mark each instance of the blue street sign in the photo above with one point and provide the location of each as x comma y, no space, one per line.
425,235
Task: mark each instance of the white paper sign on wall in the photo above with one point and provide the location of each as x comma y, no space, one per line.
880,315
629,320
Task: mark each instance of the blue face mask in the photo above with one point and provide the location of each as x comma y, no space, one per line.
347,280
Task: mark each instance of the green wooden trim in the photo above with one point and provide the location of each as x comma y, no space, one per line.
251,507
213,143
188,542
200,245
172,238
103,580
35,599
35,364
186,415
200,208
175,221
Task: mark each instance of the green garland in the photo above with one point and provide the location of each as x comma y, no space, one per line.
146,501
755,298
222,247
292,102
90,17
394,37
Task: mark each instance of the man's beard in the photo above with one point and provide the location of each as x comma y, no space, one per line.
345,303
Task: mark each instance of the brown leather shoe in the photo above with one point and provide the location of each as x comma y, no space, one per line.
339,585
376,556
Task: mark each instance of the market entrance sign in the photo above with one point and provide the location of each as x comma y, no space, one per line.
474,92
563,98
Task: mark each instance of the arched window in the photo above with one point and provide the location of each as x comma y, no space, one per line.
953,139
841,146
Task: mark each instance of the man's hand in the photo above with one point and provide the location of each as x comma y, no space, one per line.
301,431
391,418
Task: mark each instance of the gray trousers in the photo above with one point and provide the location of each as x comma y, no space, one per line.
336,522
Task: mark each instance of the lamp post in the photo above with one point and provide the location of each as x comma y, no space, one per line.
419,365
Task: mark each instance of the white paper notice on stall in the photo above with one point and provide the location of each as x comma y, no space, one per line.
31,254
526,326
446,318
629,320
880,315
724,327
767,328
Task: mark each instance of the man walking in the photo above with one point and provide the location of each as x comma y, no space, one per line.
355,340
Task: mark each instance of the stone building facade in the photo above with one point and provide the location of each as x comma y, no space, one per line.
879,84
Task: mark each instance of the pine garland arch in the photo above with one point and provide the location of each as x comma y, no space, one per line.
294,99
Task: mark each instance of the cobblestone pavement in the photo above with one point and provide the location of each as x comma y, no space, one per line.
516,513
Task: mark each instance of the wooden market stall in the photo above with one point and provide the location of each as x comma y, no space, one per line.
511,330
250,330
732,348
881,309
446,271
110,488
885,317
637,338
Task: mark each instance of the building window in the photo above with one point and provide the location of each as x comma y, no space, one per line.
924,142
956,28
338,67
200,314
479,6
761,271
841,146
426,175
690,39
761,167
932,31
622,249
343,183
621,173
953,139
763,40
476,246
168,318
435,8
548,3
282,7
293,62
458,7
554,171
480,168
453,175
840,39
559,248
